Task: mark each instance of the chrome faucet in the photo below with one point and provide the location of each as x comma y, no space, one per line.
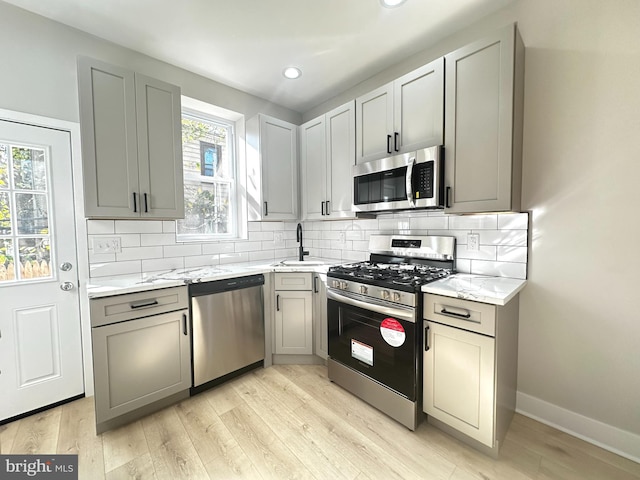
301,251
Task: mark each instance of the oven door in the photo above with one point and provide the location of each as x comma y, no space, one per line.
376,338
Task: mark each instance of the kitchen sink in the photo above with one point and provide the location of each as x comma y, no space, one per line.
292,263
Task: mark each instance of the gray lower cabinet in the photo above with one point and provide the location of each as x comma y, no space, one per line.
470,362
293,319
141,354
131,143
321,342
484,99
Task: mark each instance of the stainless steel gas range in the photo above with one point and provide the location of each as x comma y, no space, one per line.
373,311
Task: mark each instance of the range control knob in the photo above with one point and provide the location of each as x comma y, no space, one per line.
344,285
396,297
363,289
385,294
335,283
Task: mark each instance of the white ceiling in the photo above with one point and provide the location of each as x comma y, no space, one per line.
247,43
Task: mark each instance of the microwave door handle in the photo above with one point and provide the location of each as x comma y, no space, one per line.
409,181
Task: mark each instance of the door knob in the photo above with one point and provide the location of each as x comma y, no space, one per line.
66,286
66,266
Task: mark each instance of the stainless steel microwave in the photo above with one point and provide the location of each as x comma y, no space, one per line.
407,181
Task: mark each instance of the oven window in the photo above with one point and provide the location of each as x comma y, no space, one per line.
387,186
356,341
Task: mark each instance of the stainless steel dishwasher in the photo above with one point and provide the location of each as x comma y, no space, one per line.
227,329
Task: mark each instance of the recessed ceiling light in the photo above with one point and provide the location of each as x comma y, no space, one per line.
292,72
392,3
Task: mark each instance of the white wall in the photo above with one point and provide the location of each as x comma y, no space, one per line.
38,59
579,317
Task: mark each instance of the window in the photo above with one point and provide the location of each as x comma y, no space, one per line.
210,178
25,252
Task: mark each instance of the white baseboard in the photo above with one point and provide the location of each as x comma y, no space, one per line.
613,439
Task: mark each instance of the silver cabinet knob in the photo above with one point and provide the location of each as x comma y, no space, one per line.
66,286
66,266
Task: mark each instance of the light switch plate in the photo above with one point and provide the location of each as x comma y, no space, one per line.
107,245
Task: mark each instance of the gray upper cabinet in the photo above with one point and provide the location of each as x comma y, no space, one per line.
327,156
401,116
131,143
483,129
272,158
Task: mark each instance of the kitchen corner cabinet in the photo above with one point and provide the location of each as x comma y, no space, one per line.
293,332
327,156
131,143
401,116
272,169
470,363
321,341
483,124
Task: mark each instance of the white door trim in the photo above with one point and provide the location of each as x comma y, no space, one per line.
81,227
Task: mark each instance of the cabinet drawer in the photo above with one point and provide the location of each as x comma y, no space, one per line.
465,314
292,281
135,305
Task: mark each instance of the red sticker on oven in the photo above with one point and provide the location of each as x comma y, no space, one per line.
392,332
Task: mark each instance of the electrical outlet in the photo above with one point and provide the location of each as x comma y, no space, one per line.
278,237
107,245
473,242
343,238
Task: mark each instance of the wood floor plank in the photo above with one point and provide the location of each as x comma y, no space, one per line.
163,427
216,446
268,453
321,458
281,388
8,433
140,468
38,433
178,459
388,434
557,451
579,444
235,464
223,398
123,445
77,436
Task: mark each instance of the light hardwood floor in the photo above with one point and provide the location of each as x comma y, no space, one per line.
291,422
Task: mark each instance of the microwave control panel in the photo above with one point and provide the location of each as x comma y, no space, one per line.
422,180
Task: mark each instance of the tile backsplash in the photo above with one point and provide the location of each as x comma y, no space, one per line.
150,245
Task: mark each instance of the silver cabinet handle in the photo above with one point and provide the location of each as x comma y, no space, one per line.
66,286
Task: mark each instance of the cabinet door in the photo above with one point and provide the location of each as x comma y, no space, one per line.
293,322
159,148
374,124
459,380
313,159
109,145
479,112
278,147
139,362
321,343
341,143
419,108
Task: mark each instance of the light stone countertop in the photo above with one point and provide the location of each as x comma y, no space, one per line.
107,286
478,288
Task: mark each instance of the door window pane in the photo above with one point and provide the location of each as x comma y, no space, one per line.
29,169
33,218
25,241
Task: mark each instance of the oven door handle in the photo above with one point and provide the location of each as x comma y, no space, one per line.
408,313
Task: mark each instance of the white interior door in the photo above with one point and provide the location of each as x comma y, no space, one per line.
40,334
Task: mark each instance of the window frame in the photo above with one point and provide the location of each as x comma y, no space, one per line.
234,123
